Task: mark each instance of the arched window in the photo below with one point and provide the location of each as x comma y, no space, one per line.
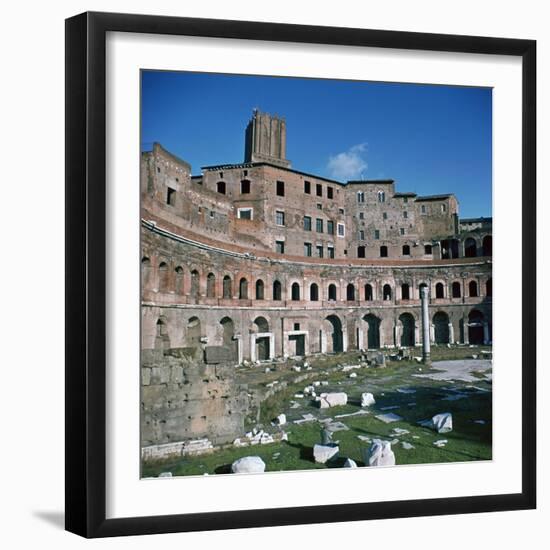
259,289
360,251
162,340
470,248
368,293
276,290
381,196
179,279
488,245
295,292
221,187
406,250
163,277
243,289
227,287
440,322
475,327
194,332
455,288
472,289
314,292
332,293
439,291
383,251
405,291
350,292
211,285
408,331
386,292
489,287
194,284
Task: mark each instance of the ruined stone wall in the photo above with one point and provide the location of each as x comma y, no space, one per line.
182,398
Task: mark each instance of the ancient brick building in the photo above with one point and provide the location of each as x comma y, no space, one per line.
257,260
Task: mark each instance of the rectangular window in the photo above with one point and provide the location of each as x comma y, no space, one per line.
341,230
280,247
423,209
361,215
171,196
307,187
330,227
307,249
361,235
330,252
320,251
296,326
281,188
318,189
245,187
244,213
405,214
443,208
385,215
330,192
319,206
319,225
401,230
307,223
279,217
376,234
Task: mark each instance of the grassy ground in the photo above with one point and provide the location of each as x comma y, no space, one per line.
413,398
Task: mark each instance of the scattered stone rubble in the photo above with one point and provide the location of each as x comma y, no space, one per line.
323,453
442,423
327,400
379,454
248,465
367,399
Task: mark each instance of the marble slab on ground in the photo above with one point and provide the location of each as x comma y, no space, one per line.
460,370
389,417
336,426
358,413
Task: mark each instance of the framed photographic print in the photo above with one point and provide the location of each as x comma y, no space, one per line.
291,253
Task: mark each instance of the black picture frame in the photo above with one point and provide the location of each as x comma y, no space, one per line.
86,274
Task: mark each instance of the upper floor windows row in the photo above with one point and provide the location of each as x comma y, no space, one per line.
318,189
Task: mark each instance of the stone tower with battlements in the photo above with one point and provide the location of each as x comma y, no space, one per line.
265,140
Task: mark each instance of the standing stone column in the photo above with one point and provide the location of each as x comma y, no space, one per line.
425,326
451,334
466,335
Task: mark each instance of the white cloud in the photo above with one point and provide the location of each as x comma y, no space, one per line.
350,164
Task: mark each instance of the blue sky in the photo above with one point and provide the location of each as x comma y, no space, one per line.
429,139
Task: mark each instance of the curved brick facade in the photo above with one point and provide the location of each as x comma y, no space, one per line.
256,260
